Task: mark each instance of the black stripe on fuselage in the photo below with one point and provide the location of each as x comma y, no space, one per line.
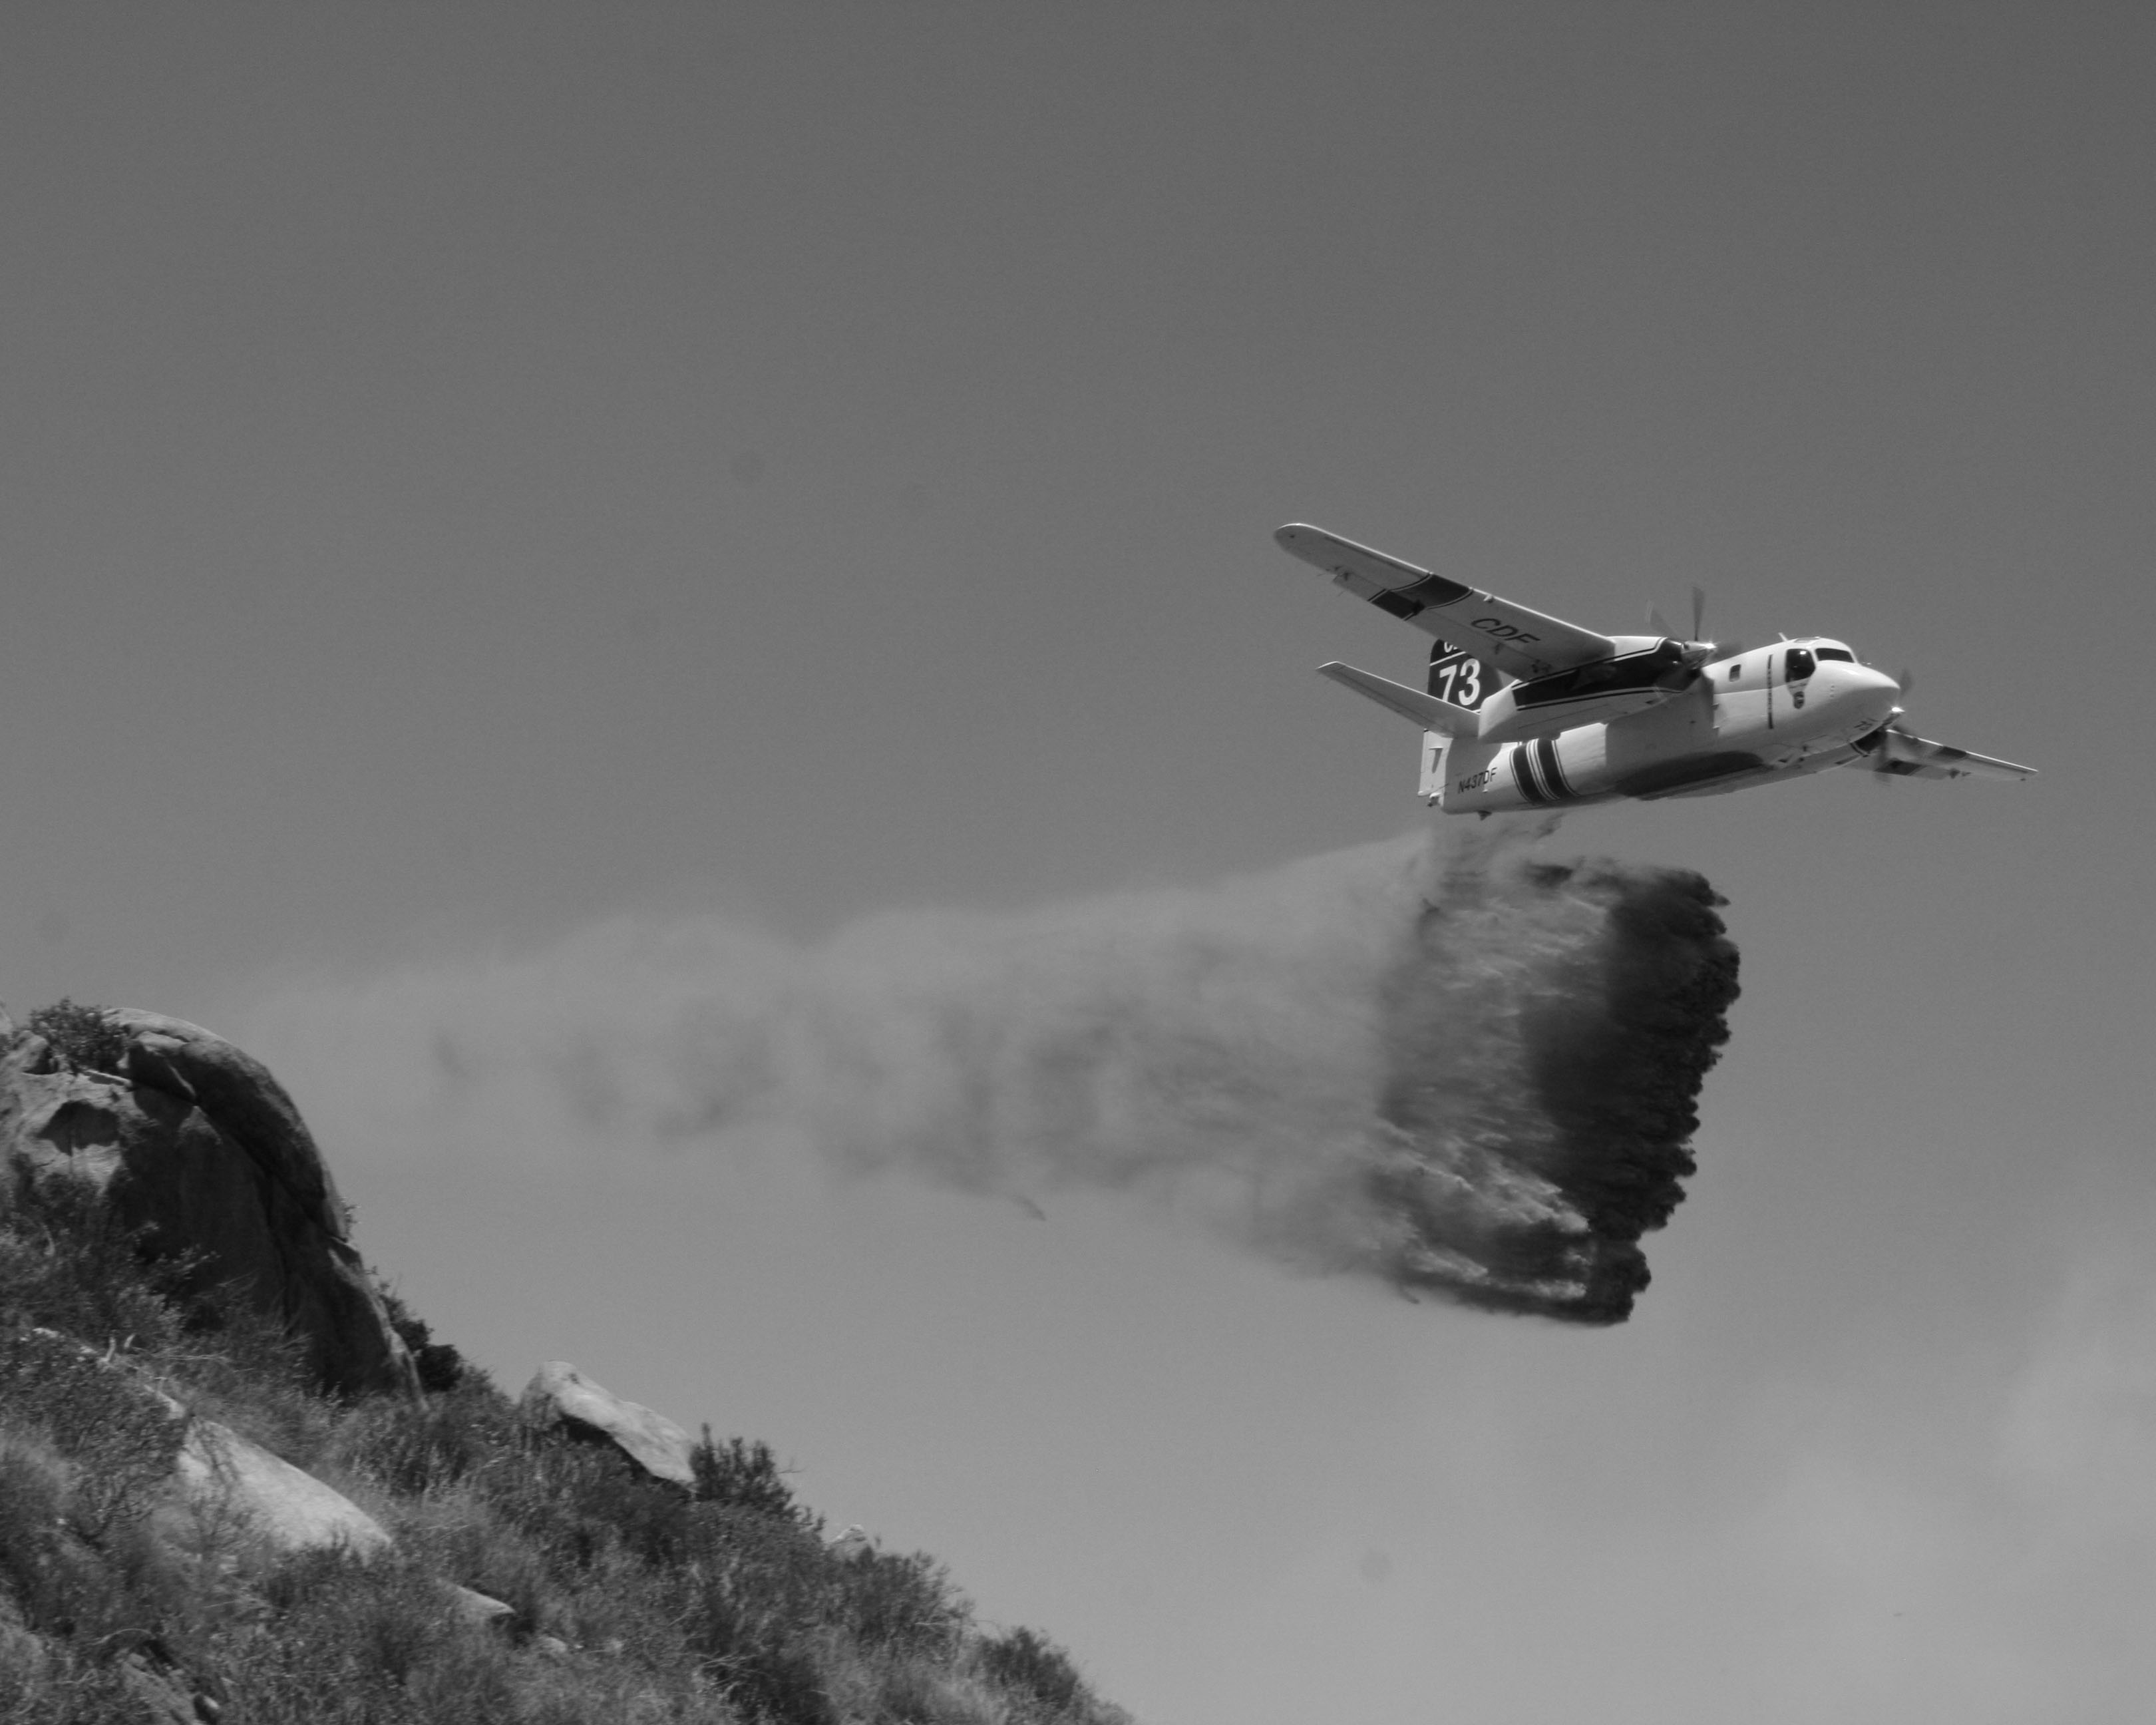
1523,775
1553,775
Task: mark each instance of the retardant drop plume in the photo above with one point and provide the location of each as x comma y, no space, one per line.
1451,1066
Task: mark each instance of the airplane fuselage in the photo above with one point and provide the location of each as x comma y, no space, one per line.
1778,711
1523,710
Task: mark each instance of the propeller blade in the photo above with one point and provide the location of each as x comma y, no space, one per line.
1907,680
1698,611
1656,622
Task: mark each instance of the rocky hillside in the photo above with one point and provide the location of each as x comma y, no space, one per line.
239,1482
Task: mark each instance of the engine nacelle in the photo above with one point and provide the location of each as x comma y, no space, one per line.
1592,694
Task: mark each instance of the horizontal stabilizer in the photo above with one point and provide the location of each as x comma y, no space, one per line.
1426,710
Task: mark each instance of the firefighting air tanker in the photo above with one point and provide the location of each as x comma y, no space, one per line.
1523,711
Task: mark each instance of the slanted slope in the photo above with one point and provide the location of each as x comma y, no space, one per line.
530,1570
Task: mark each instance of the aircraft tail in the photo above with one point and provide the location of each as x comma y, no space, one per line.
1459,684
1427,711
1459,677
1464,682
1436,747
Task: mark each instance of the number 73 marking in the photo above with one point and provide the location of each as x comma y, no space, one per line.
1458,679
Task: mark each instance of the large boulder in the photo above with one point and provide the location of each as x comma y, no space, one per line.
560,1395
210,1473
224,1477
190,1137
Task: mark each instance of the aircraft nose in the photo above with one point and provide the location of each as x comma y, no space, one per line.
1872,691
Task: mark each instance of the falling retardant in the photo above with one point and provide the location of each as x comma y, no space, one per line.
1529,1155
1448,1064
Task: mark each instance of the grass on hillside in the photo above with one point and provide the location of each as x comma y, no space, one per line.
630,1599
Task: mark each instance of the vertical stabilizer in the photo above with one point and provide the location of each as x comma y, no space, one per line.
1461,678
1466,682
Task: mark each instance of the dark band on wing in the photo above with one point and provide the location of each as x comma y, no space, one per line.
1410,602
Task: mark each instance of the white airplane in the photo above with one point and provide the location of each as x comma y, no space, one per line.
1523,711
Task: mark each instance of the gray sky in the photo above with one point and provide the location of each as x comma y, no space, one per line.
505,504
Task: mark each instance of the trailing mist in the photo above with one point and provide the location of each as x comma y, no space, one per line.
1448,1064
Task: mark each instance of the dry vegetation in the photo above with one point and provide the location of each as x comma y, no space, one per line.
630,1600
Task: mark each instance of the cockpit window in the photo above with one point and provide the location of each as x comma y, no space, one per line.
1800,664
1735,671
1841,653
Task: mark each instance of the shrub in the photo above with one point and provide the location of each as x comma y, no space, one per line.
91,1595
744,1476
1032,1665
68,1263
917,1692
777,1683
902,1604
34,1493
240,1366
411,1451
583,1502
121,1439
82,1038
440,1367
762,1584
348,1641
59,1689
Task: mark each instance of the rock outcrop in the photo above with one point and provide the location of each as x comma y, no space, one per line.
221,1474
559,1394
191,1137
204,1471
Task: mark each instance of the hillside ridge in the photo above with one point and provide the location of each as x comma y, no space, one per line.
239,1481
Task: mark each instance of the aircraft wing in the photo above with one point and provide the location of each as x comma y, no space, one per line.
1509,637
1909,756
